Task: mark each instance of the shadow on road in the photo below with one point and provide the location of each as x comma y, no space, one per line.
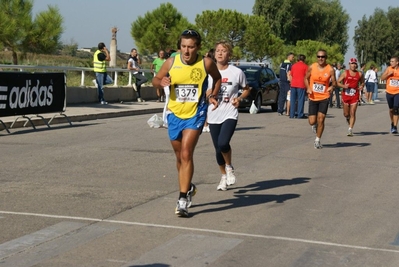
371,133
346,144
244,200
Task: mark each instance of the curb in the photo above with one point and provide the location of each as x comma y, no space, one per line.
37,121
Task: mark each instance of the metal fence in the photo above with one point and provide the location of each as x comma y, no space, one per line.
83,71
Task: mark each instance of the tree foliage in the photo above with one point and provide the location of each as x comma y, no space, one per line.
260,43
374,40
393,17
19,33
309,48
158,29
45,32
293,20
223,24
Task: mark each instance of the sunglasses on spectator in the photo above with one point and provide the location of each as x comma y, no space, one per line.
321,56
190,32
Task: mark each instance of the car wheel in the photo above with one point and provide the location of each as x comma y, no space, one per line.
274,107
258,102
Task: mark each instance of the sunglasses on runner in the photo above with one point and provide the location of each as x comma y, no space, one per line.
321,56
191,33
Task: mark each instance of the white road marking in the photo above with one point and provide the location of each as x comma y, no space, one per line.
281,238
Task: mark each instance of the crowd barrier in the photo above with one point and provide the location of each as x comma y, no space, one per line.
23,94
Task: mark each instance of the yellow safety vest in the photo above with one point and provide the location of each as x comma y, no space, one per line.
99,66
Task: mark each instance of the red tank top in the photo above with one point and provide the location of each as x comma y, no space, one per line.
353,85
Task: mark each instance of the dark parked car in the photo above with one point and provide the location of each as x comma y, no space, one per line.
264,84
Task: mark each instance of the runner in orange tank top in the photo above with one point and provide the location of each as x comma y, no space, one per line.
391,74
352,82
320,81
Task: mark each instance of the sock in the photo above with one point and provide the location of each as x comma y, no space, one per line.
350,129
317,139
182,195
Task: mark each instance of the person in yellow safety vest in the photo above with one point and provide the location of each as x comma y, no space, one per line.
100,69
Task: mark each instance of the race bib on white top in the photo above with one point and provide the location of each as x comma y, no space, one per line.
186,93
350,92
319,88
394,83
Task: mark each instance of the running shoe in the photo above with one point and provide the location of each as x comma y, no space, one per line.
317,145
314,128
181,208
206,129
231,177
394,129
350,133
223,183
190,194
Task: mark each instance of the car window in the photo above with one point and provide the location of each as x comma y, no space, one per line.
270,74
250,74
264,77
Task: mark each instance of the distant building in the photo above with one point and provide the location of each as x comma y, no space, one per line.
85,49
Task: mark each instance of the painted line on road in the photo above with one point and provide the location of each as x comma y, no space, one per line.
281,238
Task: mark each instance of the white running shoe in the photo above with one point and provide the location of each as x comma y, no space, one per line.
317,145
206,129
190,194
314,128
223,183
104,103
350,133
181,208
231,177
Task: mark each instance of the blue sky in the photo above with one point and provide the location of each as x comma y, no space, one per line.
89,22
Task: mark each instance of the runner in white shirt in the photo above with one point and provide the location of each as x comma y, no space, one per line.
223,120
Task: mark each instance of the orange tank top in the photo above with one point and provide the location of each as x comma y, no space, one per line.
393,82
319,82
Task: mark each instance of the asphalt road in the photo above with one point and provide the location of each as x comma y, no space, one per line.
103,193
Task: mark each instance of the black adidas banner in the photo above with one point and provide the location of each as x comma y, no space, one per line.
23,93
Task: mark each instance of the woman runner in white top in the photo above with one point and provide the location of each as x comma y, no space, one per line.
223,120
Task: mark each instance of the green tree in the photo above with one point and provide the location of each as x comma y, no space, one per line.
158,29
43,35
320,20
309,48
260,43
373,38
223,24
393,17
15,19
19,33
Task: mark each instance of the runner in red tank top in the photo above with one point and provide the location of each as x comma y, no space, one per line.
352,82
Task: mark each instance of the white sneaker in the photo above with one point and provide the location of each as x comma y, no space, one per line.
231,177
104,103
206,129
377,100
223,183
140,100
314,128
134,87
350,133
317,145
181,208
95,83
